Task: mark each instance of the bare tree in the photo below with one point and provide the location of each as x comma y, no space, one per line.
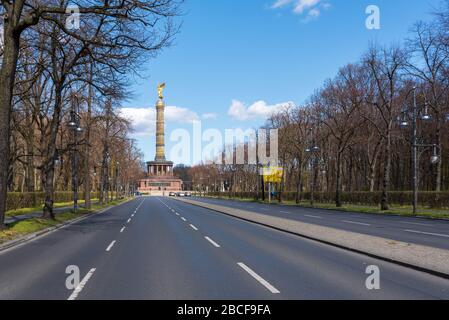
385,66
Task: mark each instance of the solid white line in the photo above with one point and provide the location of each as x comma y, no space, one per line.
129,220
193,227
315,217
428,233
216,245
81,286
123,229
183,219
354,222
264,282
110,246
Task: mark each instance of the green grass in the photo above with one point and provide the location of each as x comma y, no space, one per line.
18,212
28,226
24,227
394,210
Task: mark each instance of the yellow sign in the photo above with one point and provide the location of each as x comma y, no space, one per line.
273,174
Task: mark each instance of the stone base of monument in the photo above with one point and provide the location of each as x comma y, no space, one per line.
159,186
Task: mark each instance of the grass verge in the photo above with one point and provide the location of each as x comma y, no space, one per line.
22,228
18,212
394,210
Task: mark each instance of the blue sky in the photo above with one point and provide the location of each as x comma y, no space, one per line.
257,55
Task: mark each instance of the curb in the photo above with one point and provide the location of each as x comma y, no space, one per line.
327,242
35,235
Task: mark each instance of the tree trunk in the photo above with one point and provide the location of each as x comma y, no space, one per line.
104,176
49,167
338,182
298,185
7,77
439,165
87,180
372,177
29,178
384,202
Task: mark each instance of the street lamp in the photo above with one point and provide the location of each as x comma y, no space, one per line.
313,151
435,159
74,125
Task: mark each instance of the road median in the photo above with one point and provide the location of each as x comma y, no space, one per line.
423,258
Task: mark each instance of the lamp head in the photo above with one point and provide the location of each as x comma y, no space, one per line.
404,124
435,159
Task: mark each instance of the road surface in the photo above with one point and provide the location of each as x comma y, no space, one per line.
159,248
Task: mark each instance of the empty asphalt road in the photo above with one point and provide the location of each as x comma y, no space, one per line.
432,233
159,248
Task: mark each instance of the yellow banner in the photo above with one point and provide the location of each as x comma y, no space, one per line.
273,174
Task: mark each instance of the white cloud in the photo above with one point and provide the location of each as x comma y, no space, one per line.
311,8
209,116
180,115
303,5
314,13
281,3
143,120
258,110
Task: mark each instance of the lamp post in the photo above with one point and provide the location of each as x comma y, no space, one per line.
313,150
74,126
415,146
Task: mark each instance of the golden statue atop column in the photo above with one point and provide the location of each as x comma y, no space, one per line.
160,90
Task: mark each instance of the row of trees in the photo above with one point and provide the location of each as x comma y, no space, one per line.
64,70
348,136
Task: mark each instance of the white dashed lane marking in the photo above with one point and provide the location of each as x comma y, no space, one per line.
428,233
216,245
81,286
314,217
418,224
355,222
264,282
110,246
